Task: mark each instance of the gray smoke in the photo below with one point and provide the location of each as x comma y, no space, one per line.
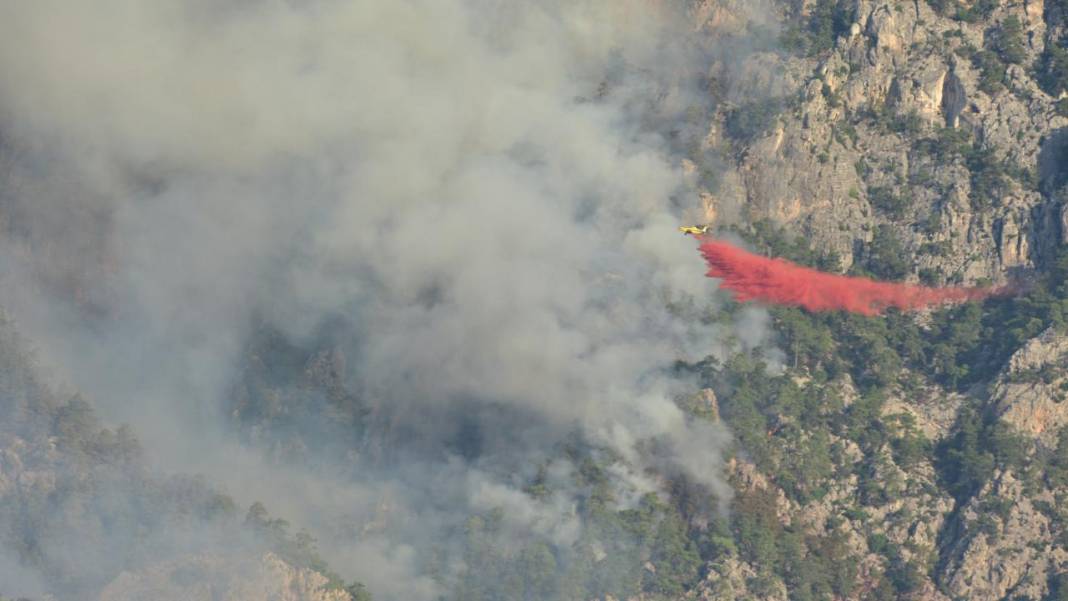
480,191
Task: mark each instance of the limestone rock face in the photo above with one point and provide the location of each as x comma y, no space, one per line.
934,410
1012,552
848,137
229,578
730,579
1032,393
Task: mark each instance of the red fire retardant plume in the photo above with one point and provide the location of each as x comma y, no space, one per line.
753,277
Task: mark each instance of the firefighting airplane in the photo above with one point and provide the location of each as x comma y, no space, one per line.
693,230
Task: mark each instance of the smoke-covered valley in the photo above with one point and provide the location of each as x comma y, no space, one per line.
397,270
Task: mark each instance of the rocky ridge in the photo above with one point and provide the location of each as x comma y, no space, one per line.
213,577
845,156
912,125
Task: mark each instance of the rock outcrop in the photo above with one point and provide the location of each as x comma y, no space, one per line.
1031,394
733,579
844,157
229,578
1005,548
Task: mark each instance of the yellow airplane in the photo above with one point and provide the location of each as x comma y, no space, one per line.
695,230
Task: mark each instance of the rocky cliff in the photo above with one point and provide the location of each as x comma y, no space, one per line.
922,141
910,121
211,577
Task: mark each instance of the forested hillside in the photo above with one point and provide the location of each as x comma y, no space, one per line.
82,515
400,284
905,456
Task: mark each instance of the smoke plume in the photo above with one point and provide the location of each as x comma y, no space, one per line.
778,281
462,211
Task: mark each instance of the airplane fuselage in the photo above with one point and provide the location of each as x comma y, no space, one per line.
693,230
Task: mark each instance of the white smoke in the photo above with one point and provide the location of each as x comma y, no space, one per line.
466,183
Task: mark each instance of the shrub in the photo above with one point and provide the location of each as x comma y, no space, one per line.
887,258
749,121
884,199
976,11
992,72
1008,40
1052,69
829,19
